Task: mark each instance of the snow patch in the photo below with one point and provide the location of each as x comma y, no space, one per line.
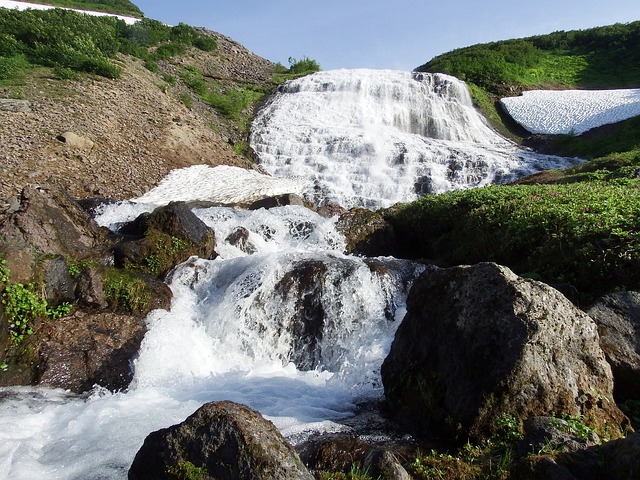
572,111
36,6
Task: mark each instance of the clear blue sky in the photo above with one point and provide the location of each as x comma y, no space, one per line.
395,34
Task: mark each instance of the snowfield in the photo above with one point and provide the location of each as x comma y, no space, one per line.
571,111
35,6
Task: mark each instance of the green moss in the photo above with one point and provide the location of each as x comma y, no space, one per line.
127,291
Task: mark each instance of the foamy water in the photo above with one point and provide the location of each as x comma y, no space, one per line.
228,336
374,138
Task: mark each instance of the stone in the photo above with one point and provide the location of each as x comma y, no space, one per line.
87,349
277,201
223,441
366,233
479,342
76,141
239,238
618,318
90,289
166,237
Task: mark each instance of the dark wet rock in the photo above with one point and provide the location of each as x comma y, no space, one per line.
90,289
59,285
239,238
618,318
479,342
367,233
618,459
87,349
277,201
305,282
167,236
222,441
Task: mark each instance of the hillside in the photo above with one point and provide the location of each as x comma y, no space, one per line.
149,98
599,58
118,7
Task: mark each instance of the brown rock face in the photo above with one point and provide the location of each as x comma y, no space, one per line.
224,441
478,342
83,350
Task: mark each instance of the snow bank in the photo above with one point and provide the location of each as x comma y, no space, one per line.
36,6
566,111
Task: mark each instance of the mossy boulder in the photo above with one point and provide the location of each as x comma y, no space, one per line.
479,342
164,238
222,441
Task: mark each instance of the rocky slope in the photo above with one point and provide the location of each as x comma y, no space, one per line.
138,126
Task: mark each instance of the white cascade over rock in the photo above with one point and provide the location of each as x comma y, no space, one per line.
373,138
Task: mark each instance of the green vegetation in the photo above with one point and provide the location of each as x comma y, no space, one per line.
24,306
355,473
126,290
603,57
119,7
185,470
236,101
68,41
584,234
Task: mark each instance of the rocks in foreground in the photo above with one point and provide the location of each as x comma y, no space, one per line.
479,342
223,441
618,318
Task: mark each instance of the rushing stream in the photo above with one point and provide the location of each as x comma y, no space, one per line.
288,325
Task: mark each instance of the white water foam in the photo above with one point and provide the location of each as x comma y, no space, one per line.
572,111
228,336
373,138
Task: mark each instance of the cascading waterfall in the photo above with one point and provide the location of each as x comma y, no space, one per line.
374,138
283,322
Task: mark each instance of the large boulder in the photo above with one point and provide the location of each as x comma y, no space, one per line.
87,349
478,342
48,222
222,441
618,318
164,238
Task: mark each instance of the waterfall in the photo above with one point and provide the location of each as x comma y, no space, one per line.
374,138
282,321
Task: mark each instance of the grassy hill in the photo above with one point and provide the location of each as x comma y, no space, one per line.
580,230
603,58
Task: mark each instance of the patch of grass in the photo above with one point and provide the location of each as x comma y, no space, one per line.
355,473
585,234
126,290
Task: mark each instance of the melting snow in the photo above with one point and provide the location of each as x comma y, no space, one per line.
566,111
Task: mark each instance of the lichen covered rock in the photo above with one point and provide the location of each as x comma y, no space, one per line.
479,342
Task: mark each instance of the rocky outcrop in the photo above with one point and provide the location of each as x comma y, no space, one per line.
222,441
166,237
618,318
618,459
87,349
51,223
479,342
367,233
56,257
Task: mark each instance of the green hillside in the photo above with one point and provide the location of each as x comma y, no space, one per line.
602,57
119,7
597,58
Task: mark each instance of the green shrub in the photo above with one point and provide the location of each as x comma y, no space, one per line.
586,234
